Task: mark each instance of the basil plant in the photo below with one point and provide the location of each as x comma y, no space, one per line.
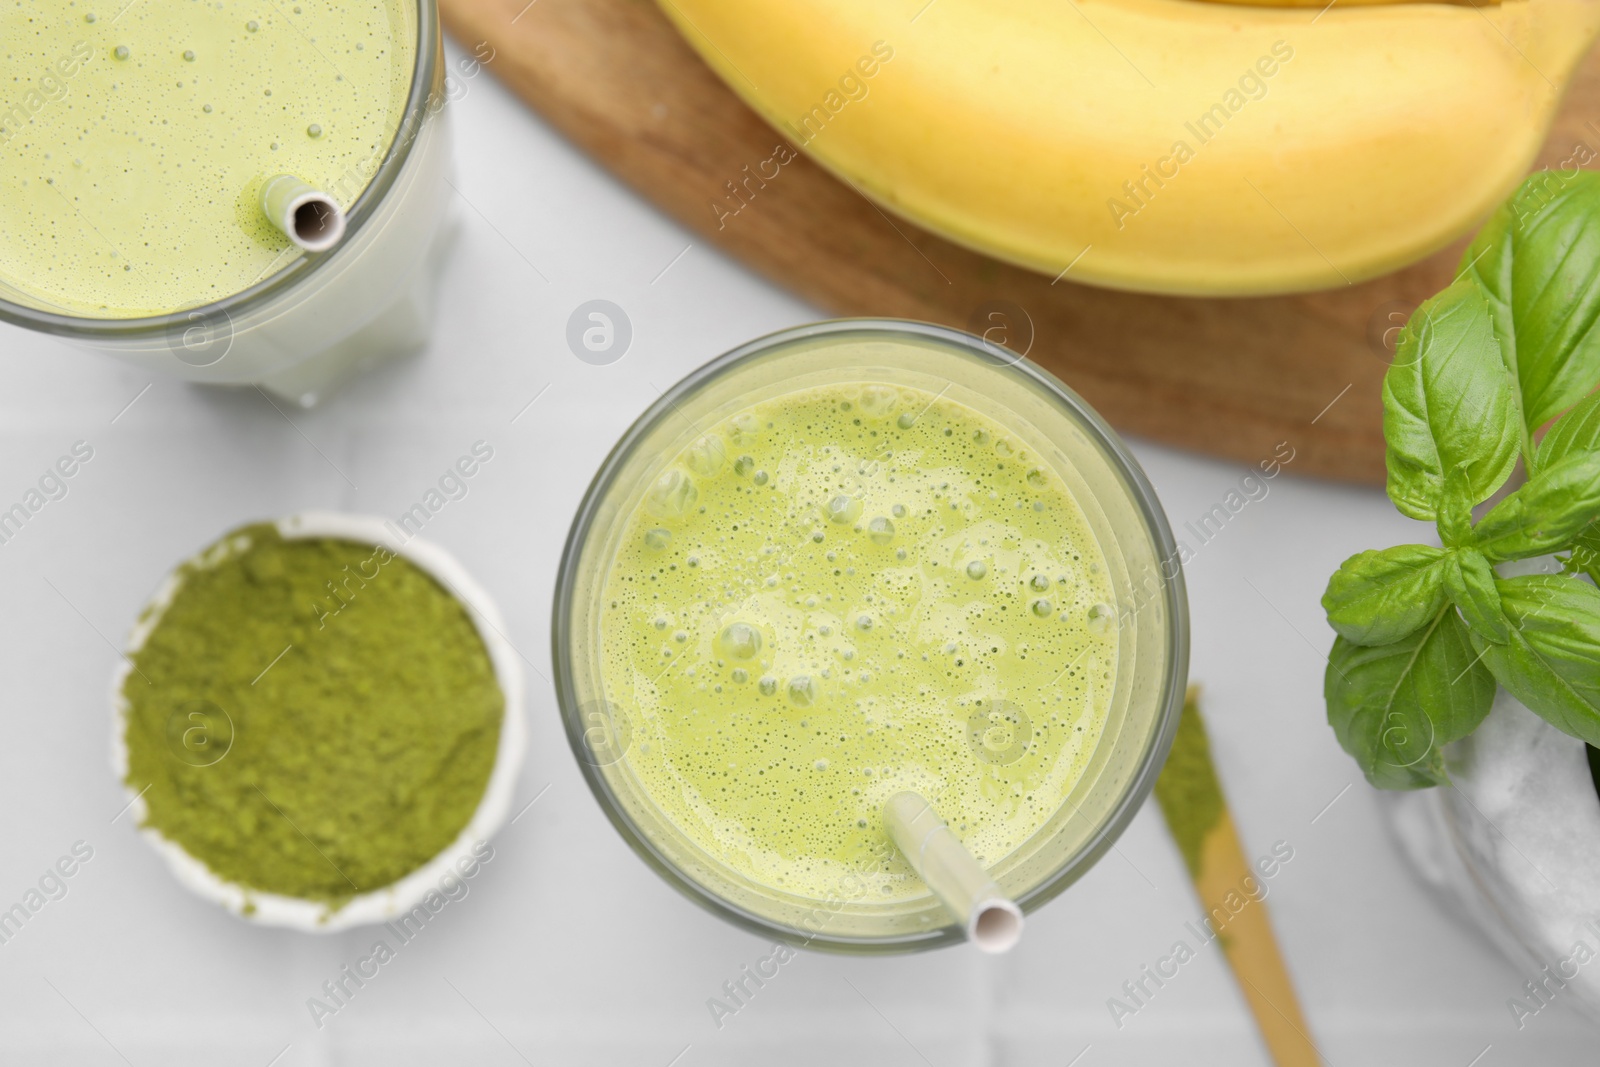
1493,379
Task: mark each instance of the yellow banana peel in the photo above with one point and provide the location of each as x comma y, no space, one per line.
1171,146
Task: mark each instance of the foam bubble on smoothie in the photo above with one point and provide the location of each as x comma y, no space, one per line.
961,649
132,149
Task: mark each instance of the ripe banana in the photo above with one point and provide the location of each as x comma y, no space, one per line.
1170,146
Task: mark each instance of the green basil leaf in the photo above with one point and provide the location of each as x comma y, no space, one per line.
1576,431
1376,598
1585,555
1454,517
1538,261
1544,514
1448,401
1552,661
1393,707
1470,582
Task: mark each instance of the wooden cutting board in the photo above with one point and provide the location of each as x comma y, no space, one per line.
1230,377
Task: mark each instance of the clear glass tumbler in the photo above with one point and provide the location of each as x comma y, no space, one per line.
1058,426
324,317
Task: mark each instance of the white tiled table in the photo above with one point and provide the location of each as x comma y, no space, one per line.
567,950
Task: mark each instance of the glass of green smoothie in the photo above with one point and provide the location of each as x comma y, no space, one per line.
144,147
849,561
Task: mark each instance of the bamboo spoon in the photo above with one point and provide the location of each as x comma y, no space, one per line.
1197,814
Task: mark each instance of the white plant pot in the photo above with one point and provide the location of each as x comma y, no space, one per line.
1513,848
387,902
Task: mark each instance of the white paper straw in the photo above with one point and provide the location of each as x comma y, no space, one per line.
309,217
993,921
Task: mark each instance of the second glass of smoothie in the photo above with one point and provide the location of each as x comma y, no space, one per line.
137,142
853,560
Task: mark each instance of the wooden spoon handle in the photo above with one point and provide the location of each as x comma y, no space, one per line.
1231,890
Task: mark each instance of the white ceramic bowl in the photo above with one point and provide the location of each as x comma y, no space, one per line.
399,897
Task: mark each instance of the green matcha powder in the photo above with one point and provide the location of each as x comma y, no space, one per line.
315,718
1188,791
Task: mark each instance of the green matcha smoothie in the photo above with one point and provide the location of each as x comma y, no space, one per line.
843,593
135,136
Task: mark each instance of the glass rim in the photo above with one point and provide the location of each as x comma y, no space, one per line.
85,328
1125,466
